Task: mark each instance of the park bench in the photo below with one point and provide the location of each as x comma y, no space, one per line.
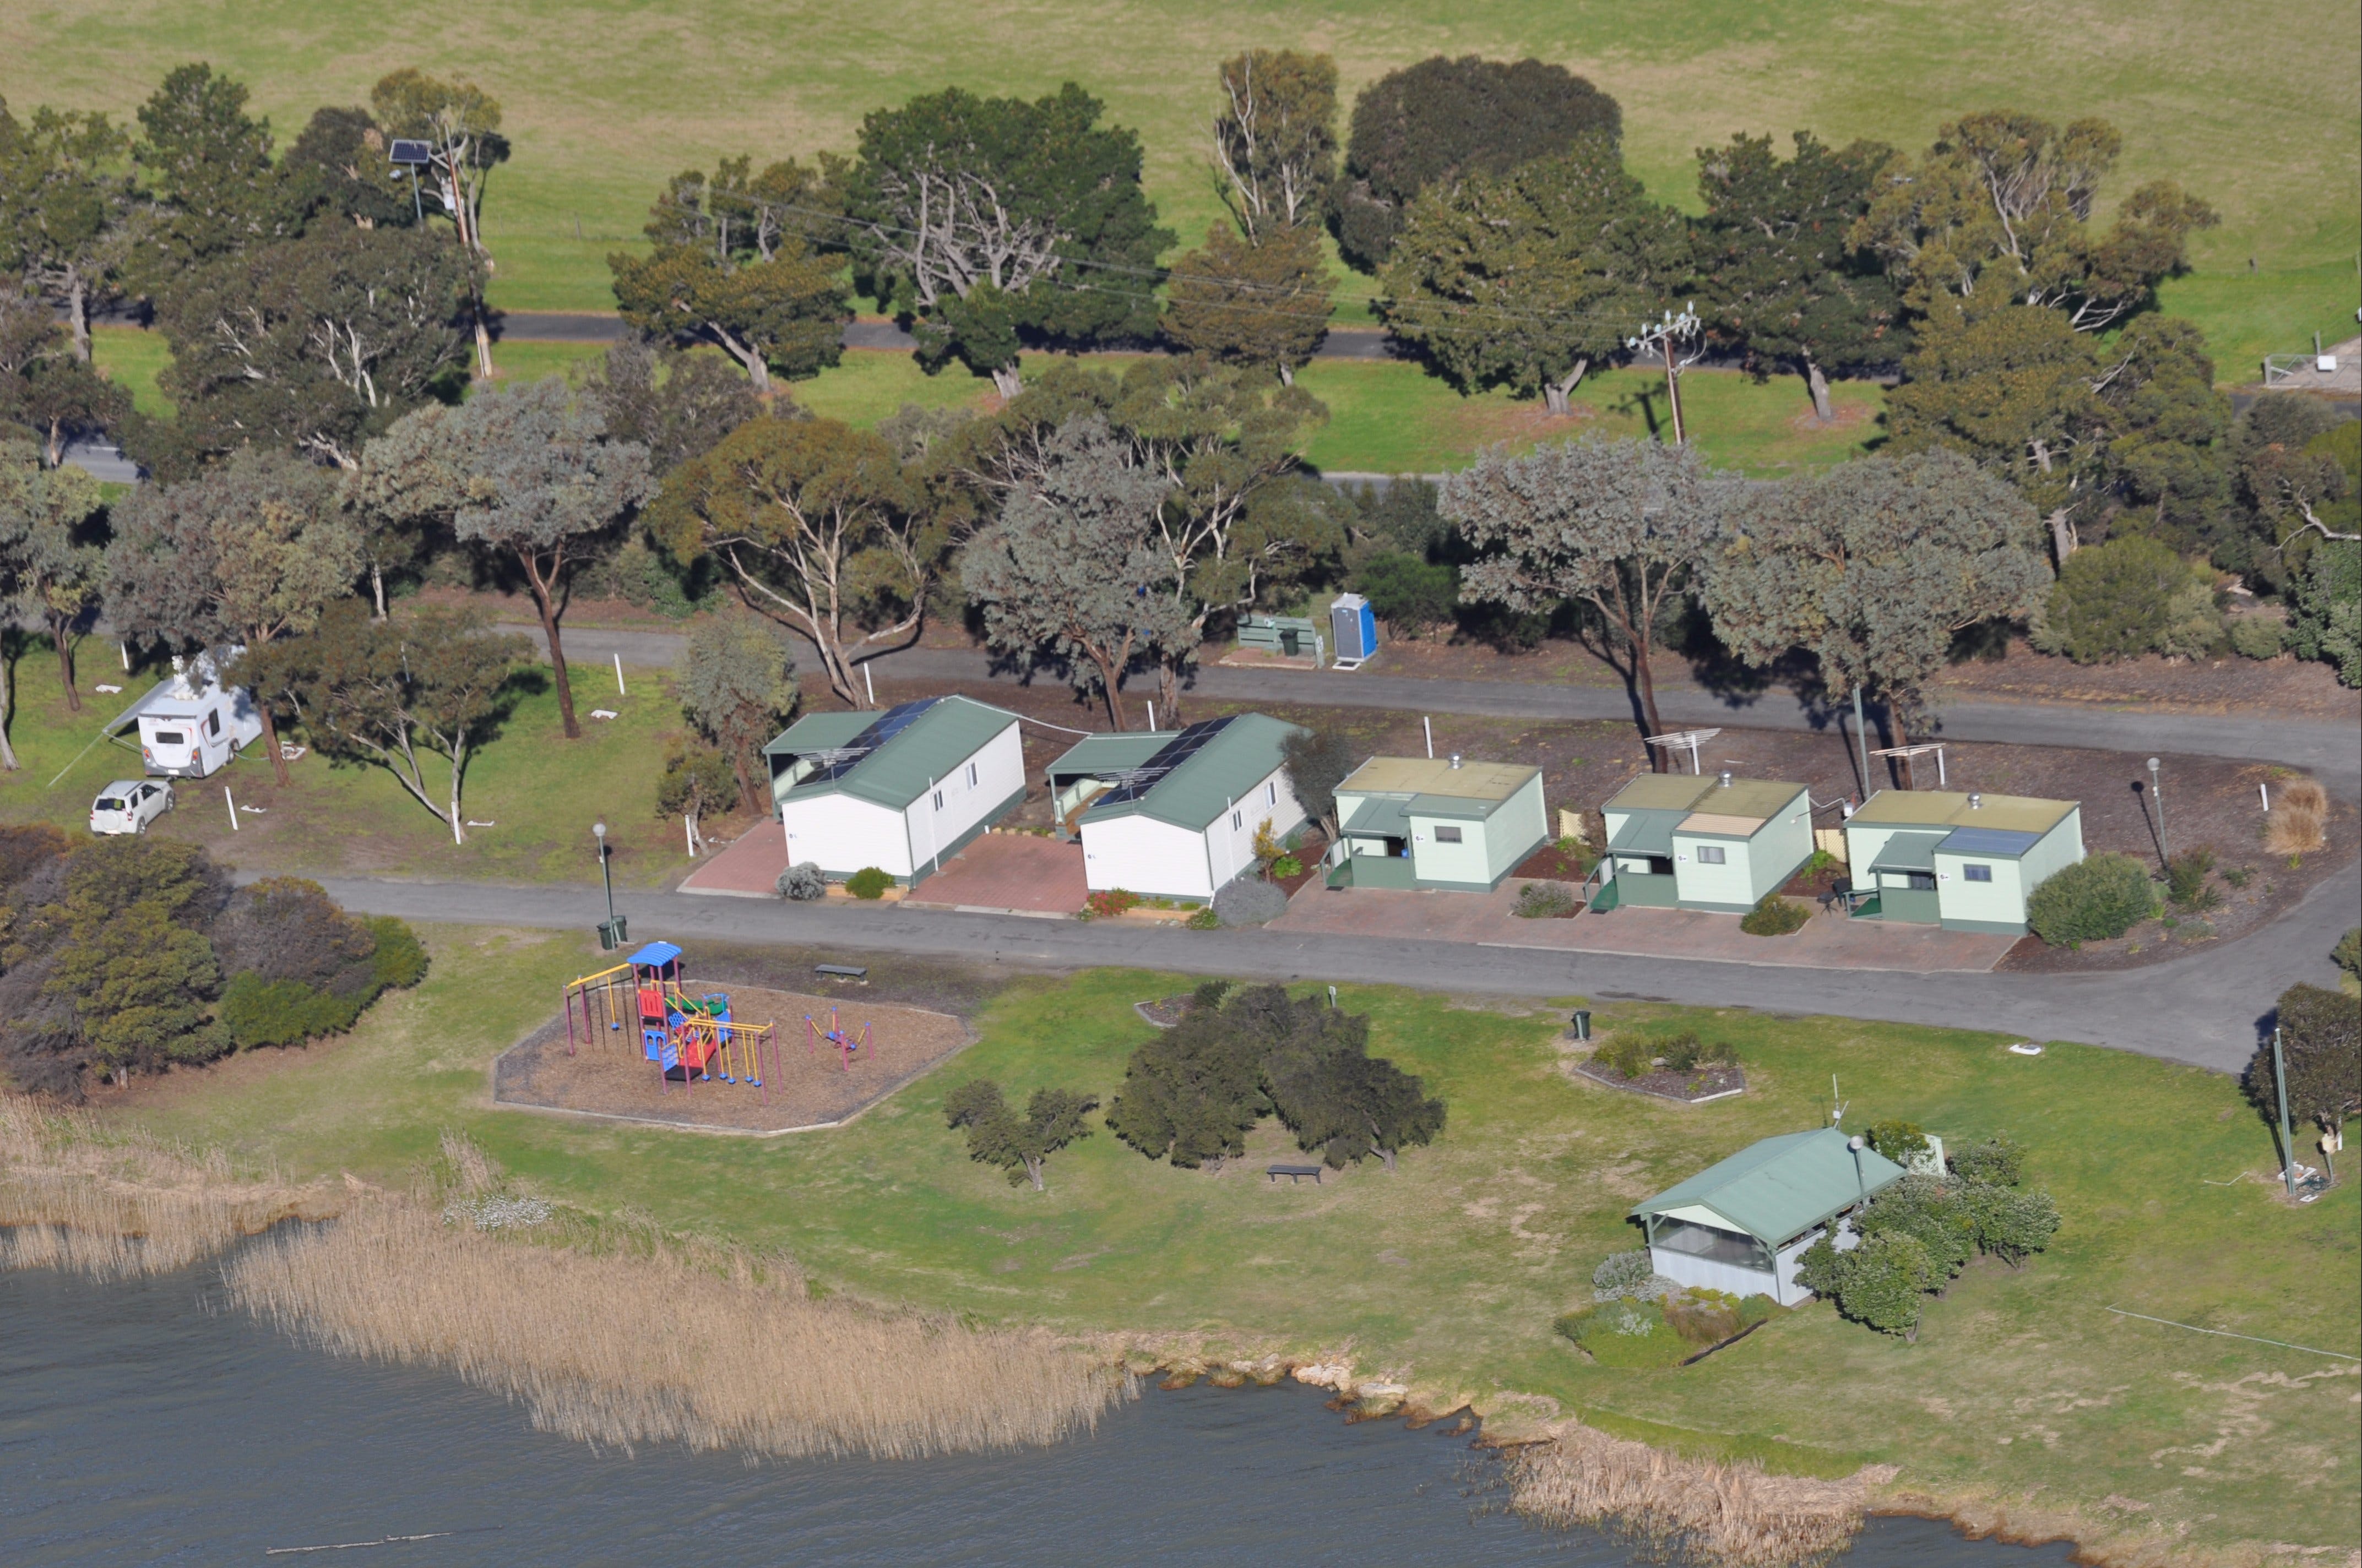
842,971
1294,1173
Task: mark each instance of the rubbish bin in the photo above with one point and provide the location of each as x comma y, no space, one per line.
1583,1023
610,933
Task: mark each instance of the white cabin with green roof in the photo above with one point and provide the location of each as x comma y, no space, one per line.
1689,842
1173,814
1965,861
1416,822
1740,1224
903,790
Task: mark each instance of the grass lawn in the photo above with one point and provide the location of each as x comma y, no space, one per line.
343,818
1446,1274
2250,104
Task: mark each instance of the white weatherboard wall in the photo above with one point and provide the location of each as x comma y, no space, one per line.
1145,855
1780,846
1435,861
1522,820
843,834
932,831
1725,884
1708,1274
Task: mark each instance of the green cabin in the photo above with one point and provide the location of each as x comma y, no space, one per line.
1409,822
1719,843
1966,861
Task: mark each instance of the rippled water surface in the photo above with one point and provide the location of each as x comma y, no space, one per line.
144,1423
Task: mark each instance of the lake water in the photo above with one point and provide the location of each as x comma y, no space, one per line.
145,1423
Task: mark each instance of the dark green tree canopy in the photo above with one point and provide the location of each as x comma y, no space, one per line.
1318,760
66,209
1276,139
730,264
1874,565
983,218
678,405
337,170
1525,277
311,345
1782,277
1435,122
45,392
1251,304
207,166
2321,1044
1018,1143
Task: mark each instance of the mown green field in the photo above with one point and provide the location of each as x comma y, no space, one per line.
1447,1273
2251,104
539,791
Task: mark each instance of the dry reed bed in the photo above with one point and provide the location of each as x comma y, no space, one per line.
1730,1516
2297,822
76,1195
621,1350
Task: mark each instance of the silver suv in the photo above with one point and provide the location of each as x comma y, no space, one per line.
127,806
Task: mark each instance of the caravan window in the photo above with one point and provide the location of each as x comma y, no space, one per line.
1710,855
1270,793
213,722
1447,834
1977,873
971,775
171,737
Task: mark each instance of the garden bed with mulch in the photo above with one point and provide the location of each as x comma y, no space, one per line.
1697,1084
1551,864
1815,885
1165,1011
803,1086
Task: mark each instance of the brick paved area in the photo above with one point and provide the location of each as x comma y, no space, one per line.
1009,871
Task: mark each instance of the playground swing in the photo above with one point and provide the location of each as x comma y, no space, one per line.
843,1040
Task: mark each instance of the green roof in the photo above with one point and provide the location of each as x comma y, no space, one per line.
925,748
1100,754
1234,757
1777,1189
1378,817
1908,853
1646,831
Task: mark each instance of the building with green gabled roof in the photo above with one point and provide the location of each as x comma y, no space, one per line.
1173,814
903,790
1742,1223
1720,843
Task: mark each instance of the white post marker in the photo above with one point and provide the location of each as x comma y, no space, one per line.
232,804
868,686
1428,728
2266,790
124,649
688,833
1151,716
619,676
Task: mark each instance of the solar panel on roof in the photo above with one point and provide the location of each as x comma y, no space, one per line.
843,760
1137,782
1988,842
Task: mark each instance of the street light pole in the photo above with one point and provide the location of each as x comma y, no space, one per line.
2287,1139
1861,740
2163,852
606,875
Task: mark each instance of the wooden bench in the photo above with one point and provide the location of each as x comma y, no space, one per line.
842,971
1294,1173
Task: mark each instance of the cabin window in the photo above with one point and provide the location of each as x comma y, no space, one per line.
171,737
1236,822
1710,855
971,775
1271,793
1447,834
1976,873
1712,1244
939,800
213,722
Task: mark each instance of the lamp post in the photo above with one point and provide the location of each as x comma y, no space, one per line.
2163,852
2287,1139
1860,1193
610,934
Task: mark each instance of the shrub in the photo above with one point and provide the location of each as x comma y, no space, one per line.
696,782
2091,901
1203,919
400,960
259,1012
1627,1056
2186,884
1110,902
1998,1161
1627,1333
2259,636
1249,901
1623,1274
1884,1281
2347,954
1684,1053
868,882
2010,1224
1930,1213
1209,993
1408,593
1703,1317
1543,901
2130,595
1285,867
2293,826
803,883
2326,605
1898,1141
1775,916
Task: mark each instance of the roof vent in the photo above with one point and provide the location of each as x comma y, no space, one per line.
1976,801
1725,778
1456,759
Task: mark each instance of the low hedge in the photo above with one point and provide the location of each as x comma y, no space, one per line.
868,882
1775,916
2091,901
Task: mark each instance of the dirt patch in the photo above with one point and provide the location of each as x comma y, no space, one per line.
1698,1083
804,1083
1846,416
1519,428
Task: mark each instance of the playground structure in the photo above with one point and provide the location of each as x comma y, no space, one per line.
687,1034
836,1037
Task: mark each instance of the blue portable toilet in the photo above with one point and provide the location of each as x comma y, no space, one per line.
1353,629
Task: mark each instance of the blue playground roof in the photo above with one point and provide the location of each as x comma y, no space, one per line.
655,953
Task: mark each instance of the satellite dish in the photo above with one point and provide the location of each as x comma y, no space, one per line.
411,154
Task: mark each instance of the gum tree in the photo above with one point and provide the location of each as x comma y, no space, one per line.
737,684
1619,525
460,123
52,562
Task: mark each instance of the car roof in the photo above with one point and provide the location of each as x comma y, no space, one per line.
123,786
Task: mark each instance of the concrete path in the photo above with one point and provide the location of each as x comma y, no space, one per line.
561,326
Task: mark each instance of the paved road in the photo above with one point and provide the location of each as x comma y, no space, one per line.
2201,1009
2330,751
554,326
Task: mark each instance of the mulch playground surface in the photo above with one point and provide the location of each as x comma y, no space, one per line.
804,1085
